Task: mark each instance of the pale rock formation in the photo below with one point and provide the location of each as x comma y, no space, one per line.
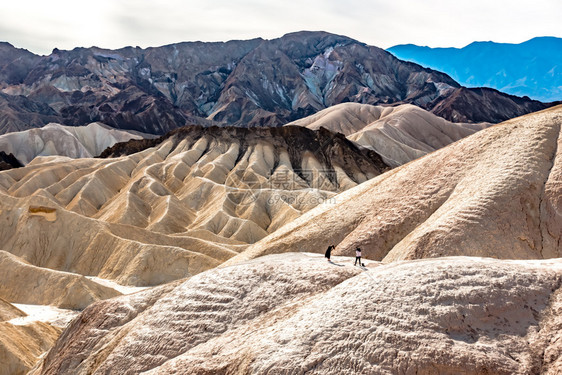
22,344
28,331
399,134
176,207
63,240
345,118
9,311
21,282
495,193
49,314
182,205
297,313
71,141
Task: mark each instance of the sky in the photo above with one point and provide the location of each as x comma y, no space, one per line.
40,25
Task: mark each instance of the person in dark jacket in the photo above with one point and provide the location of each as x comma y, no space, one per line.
357,256
329,252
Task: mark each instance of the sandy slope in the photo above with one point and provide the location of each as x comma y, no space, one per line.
495,193
56,139
23,283
27,331
9,311
21,343
23,337
297,313
52,315
176,209
399,134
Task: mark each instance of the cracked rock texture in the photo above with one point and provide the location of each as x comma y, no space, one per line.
297,313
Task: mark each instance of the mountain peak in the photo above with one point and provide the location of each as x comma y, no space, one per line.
245,83
320,34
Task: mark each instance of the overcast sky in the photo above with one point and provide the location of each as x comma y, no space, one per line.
40,25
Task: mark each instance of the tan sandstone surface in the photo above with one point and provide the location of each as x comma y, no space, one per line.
399,134
21,343
9,311
21,282
297,313
495,193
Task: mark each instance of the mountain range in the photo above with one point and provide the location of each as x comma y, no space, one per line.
532,68
243,83
398,134
131,243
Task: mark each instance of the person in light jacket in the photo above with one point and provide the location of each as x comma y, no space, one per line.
357,256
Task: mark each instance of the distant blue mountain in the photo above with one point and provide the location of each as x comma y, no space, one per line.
532,68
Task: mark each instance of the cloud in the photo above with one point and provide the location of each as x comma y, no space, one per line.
40,26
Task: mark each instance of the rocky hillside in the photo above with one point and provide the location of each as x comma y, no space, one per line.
243,83
19,113
298,314
8,161
187,203
59,140
495,193
21,341
164,209
399,134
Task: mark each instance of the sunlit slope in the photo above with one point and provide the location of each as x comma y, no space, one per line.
21,343
298,313
187,204
399,134
71,141
495,193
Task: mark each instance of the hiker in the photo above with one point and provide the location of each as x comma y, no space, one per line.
357,256
329,252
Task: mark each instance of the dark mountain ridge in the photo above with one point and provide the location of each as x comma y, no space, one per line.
242,83
327,147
